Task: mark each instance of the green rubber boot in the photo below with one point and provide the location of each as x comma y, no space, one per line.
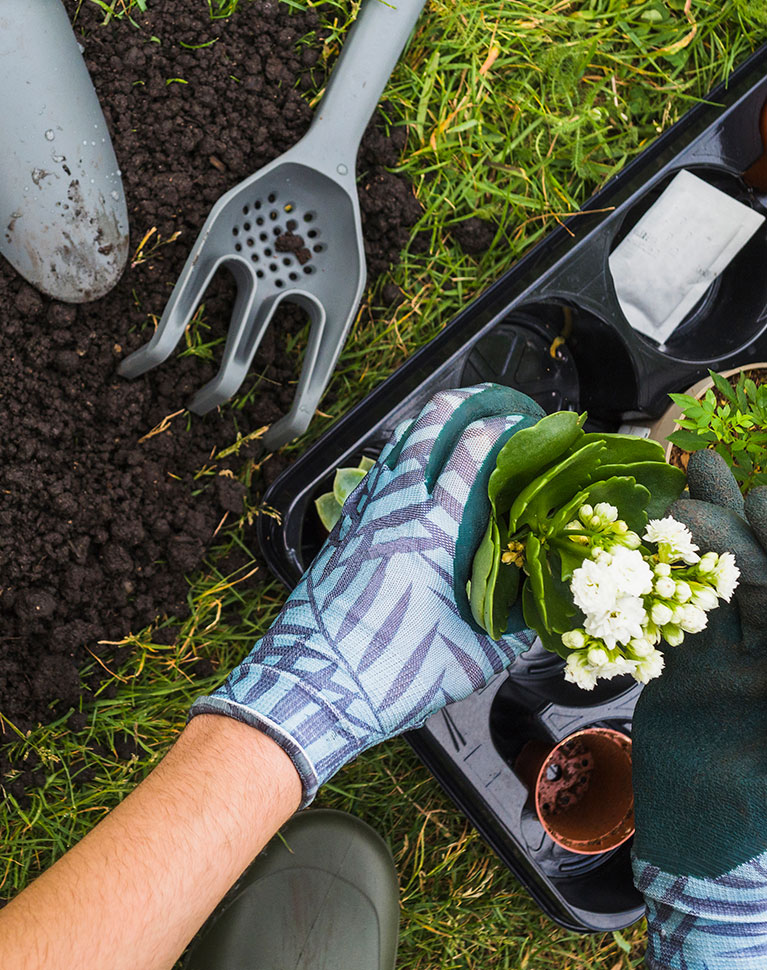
323,895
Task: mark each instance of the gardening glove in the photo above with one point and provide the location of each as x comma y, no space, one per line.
700,754
378,634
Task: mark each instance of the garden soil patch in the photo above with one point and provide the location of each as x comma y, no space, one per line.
98,523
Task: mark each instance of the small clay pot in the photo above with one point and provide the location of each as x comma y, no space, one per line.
667,423
581,788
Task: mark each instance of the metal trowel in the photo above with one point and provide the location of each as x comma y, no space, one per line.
63,218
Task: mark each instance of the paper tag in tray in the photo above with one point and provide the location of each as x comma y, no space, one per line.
674,253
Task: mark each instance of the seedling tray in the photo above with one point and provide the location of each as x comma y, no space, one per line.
562,287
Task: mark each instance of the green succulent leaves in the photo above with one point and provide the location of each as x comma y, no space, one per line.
329,504
543,476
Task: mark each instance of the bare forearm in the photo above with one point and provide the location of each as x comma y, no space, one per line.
136,889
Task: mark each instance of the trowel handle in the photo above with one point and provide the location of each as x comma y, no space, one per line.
371,51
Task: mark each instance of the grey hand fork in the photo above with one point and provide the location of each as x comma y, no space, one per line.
309,191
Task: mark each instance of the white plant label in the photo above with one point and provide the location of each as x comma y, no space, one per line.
676,251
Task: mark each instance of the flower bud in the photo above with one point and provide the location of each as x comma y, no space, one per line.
606,511
597,657
660,614
708,562
705,598
620,528
683,591
694,620
641,648
672,634
575,639
665,587
585,512
662,569
632,540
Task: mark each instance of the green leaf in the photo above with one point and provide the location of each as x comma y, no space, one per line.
551,641
328,510
502,590
552,595
690,441
346,480
624,449
534,503
366,463
571,554
481,568
723,386
663,482
684,401
530,451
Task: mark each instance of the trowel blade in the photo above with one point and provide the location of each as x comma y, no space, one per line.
63,217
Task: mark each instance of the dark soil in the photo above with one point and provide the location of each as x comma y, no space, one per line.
474,235
98,527
567,778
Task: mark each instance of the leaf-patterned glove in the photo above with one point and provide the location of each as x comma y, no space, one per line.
378,634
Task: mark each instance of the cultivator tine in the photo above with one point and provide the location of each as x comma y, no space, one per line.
246,329
179,310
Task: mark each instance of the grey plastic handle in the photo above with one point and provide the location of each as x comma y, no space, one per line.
370,54
63,217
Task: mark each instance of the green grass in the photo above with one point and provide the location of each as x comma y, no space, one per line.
517,112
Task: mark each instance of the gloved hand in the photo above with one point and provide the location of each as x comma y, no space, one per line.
378,634
700,754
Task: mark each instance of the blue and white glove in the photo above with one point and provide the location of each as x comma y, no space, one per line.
378,634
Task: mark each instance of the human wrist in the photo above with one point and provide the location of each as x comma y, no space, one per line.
234,756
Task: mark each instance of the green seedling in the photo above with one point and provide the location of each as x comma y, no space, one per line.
329,504
731,421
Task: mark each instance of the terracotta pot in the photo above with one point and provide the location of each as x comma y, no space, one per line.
667,423
581,788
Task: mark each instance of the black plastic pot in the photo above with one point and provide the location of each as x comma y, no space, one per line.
604,366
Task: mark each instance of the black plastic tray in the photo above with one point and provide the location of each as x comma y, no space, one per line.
605,367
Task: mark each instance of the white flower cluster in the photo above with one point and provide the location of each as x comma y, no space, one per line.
632,599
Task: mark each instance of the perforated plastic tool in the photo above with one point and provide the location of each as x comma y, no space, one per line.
292,232
63,218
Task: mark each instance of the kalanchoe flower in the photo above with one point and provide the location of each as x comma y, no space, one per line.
726,575
631,601
649,667
620,623
579,671
674,540
593,587
632,574
585,667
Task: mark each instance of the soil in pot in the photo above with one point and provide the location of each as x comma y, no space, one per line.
98,520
